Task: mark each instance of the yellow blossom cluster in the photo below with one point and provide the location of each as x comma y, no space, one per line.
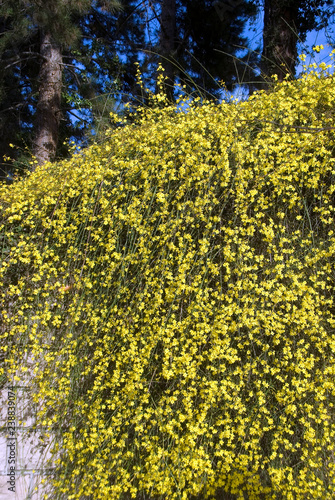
173,287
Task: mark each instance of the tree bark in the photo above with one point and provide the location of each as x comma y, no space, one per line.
280,37
48,112
167,42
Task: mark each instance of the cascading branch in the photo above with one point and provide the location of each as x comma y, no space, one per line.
174,289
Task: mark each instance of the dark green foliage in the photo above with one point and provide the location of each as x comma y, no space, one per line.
209,44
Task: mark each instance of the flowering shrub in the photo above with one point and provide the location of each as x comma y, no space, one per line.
173,290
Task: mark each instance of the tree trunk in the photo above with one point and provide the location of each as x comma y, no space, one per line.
48,107
280,37
167,42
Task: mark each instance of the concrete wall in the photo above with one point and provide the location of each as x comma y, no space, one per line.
22,447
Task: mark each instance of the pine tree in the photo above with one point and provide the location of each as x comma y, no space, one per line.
286,22
116,43
37,35
57,32
167,42
199,43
